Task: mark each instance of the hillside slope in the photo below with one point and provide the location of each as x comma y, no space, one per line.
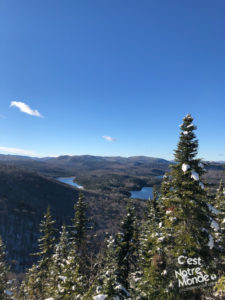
24,197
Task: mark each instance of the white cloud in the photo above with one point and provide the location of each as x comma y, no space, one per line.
25,108
17,151
109,138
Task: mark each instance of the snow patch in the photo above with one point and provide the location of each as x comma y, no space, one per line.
213,209
121,288
211,242
185,167
99,297
201,185
185,132
9,293
194,175
215,225
63,278
188,116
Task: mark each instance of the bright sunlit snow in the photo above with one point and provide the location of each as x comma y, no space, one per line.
185,167
194,175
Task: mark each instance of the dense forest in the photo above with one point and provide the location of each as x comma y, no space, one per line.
176,251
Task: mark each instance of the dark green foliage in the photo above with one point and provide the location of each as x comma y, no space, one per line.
79,222
126,249
46,241
3,273
107,282
219,235
184,227
37,282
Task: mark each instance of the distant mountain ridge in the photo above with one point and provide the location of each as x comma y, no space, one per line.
87,157
73,165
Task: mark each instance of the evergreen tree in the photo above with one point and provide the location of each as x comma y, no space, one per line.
185,222
220,288
32,286
61,250
70,283
220,234
4,292
107,285
152,278
37,283
47,240
119,261
59,260
126,250
78,235
149,227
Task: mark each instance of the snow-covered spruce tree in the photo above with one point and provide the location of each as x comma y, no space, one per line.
106,285
220,219
126,247
70,283
220,288
220,197
187,214
220,234
36,283
78,236
4,292
119,261
66,280
69,261
46,241
148,227
185,223
61,251
152,278
79,228
153,209
59,260
32,285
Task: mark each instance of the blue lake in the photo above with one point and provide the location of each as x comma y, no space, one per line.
145,193
70,181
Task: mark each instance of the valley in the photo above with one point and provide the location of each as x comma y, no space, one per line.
28,186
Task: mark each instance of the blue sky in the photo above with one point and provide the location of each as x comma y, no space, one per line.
130,70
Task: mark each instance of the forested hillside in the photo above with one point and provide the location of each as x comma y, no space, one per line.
24,198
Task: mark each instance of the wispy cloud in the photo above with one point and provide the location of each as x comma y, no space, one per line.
2,117
17,151
109,138
25,108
